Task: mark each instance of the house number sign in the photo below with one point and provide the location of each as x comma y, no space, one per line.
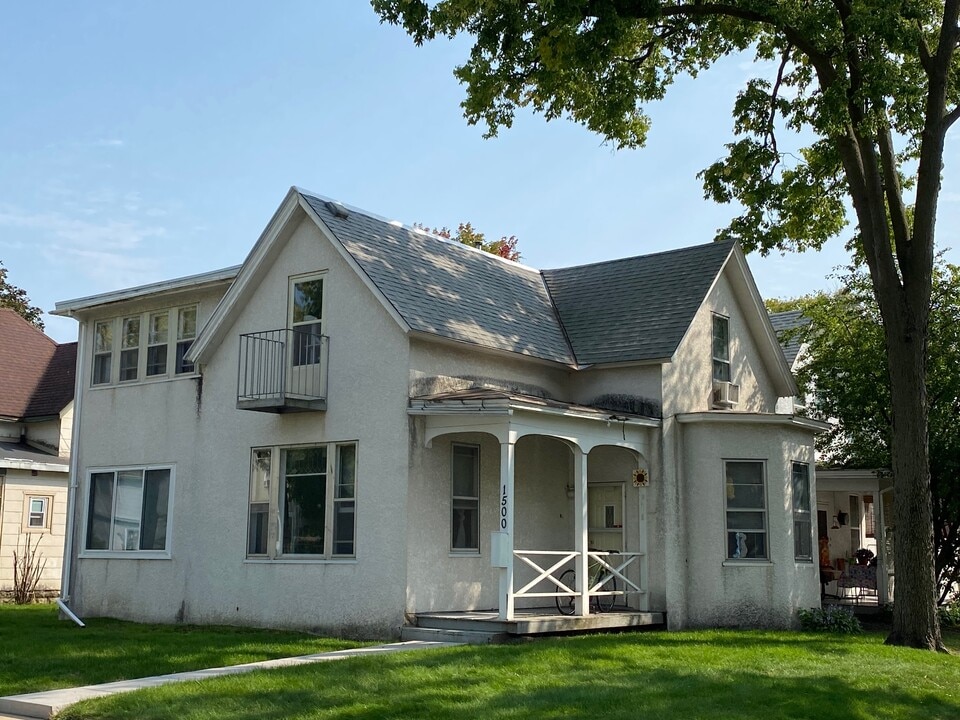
503,508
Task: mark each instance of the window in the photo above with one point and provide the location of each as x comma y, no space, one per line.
186,334
465,500
165,354
38,513
721,348
802,514
128,509
869,517
157,343
129,348
312,490
102,351
746,510
306,320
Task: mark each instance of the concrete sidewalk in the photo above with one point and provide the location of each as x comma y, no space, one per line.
47,703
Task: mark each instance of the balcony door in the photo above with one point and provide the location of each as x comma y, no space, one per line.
305,321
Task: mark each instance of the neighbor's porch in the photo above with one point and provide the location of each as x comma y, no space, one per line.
571,503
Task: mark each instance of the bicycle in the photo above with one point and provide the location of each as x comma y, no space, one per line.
566,604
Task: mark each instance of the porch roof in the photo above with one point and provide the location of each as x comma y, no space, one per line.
501,402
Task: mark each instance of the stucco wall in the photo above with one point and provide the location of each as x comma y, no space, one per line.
635,382
441,367
688,379
724,592
209,579
14,489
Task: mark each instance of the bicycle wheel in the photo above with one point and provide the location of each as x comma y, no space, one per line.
566,603
605,603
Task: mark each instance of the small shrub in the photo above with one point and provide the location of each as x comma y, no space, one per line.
950,614
833,618
27,568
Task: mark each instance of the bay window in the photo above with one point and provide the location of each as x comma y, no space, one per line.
802,513
746,510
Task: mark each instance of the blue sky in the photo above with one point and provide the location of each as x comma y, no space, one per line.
150,140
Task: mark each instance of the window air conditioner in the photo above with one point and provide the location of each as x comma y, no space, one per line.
725,394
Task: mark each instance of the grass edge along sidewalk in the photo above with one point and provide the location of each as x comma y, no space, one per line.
47,703
40,652
694,675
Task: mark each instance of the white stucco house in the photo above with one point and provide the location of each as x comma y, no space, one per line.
36,416
364,423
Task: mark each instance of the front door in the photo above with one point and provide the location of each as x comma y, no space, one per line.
605,516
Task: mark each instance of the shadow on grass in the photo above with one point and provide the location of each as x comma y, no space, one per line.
730,675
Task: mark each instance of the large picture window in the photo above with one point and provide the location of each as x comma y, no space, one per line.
465,499
746,510
117,343
312,490
802,514
128,509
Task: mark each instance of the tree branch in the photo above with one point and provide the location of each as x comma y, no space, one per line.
648,11
891,185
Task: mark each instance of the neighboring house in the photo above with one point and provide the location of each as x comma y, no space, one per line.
364,422
37,379
853,505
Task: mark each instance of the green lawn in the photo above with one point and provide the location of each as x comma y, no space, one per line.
40,652
650,676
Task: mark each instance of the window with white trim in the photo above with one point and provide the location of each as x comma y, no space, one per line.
465,499
721,348
128,509
312,491
746,510
802,513
306,319
117,344
37,513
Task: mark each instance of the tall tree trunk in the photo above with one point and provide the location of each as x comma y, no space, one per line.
915,621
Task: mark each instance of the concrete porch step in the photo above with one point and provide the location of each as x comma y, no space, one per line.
433,634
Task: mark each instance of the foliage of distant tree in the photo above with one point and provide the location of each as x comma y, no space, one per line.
16,299
505,247
844,373
871,88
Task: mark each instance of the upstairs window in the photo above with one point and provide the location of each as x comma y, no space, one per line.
117,344
102,352
306,319
721,348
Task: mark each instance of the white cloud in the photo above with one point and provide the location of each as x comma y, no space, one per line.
109,142
109,251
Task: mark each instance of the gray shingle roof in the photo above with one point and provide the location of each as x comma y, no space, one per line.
790,342
446,289
636,308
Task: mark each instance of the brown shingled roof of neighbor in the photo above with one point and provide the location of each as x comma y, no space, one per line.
36,374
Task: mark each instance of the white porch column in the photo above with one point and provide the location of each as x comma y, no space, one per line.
581,528
507,465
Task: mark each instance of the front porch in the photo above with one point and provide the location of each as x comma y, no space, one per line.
481,626
567,540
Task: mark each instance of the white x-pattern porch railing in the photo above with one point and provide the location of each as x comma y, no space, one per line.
603,566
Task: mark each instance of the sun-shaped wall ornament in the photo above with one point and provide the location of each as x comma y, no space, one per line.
641,478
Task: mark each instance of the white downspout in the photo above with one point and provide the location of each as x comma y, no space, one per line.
74,466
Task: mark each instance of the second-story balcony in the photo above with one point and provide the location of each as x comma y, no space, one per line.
283,371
